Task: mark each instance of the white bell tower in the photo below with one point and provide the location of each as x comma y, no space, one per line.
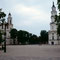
8,29
53,27
9,19
53,13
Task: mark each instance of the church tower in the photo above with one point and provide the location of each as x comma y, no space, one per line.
53,27
9,19
9,26
8,29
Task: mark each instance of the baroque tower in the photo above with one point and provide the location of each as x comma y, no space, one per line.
9,19
53,38
8,29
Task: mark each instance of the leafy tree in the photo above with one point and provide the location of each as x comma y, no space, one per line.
25,36
39,40
22,37
57,18
19,36
2,16
44,37
30,38
58,2
13,34
33,39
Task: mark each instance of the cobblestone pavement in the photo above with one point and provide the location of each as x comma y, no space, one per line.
31,52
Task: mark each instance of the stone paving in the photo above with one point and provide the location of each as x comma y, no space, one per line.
31,52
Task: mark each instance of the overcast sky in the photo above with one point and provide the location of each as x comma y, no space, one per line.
30,15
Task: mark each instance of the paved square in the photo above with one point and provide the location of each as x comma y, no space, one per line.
31,52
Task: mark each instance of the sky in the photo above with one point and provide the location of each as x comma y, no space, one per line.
29,15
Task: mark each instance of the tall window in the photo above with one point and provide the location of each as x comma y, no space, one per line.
52,36
10,21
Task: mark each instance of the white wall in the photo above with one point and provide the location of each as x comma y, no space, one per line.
55,42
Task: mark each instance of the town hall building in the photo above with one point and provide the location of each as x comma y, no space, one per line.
53,36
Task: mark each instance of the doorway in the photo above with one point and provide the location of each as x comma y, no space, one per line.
52,43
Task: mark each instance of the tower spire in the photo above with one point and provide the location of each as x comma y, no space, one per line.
53,4
9,14
9,18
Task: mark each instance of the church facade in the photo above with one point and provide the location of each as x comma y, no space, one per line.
8,28
53,36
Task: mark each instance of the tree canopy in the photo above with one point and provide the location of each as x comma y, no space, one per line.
13,34
2,15
57,18
58,2
44,36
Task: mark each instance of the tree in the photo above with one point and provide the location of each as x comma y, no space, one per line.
44,37
25,37
2,19
57,18
13,34
2,16
19,36
39,40
22,37
58,2
30,38
33,39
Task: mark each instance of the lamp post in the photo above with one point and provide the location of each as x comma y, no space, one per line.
5,39
6,24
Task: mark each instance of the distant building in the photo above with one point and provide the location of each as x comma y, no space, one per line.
53,37
8,28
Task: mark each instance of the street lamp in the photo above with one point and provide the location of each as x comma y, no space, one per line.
6,24
5,39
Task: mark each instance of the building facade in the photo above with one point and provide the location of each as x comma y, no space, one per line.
9,26
53,36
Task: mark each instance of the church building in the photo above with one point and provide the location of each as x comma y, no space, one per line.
9,26
53,36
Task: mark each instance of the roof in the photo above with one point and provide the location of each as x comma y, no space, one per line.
9,13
